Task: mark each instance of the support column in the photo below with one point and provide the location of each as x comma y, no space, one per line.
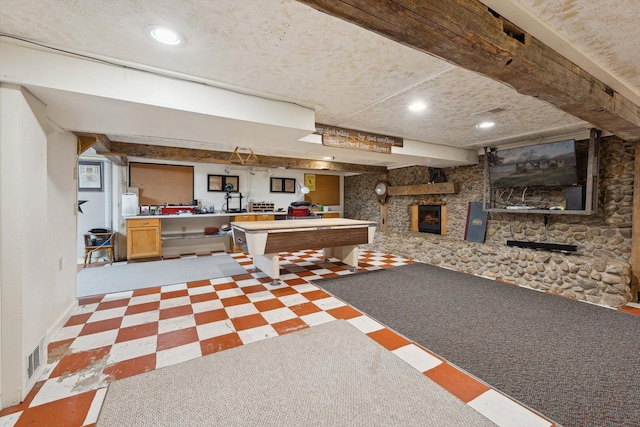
635,241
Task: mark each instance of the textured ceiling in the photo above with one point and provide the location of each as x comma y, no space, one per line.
607,32
350,77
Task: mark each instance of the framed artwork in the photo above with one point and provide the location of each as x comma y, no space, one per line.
234,181
223,182
89,176
283,185
214,182
289,185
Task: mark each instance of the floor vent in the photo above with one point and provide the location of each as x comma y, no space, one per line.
33,362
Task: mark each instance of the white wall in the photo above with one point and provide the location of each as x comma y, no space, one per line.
61,226
254,188
37,278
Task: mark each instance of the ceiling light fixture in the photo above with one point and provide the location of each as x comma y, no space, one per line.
328,158
417,106
165,35
485,125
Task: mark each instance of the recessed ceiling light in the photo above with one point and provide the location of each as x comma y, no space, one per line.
417,106
165,35
328,158
486,125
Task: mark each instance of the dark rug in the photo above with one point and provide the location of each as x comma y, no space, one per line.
576,363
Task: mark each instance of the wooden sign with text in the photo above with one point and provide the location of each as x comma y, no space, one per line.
357,140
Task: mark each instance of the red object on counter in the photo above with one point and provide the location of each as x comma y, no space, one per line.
170,210
211,230
298,211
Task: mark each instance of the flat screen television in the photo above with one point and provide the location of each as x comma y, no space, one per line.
543,165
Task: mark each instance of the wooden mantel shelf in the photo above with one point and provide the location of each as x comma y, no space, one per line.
438,188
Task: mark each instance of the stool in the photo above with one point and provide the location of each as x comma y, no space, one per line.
95,242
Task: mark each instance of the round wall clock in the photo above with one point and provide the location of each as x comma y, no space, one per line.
381,190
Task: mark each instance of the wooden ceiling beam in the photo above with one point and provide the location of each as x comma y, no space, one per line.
116,160
468,34
101,144
84,143
98,141
158,152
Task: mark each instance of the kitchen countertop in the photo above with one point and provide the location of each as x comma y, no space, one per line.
218,214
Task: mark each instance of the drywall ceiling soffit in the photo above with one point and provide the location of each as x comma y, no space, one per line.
137,121
239,158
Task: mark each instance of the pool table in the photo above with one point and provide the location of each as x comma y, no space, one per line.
338,237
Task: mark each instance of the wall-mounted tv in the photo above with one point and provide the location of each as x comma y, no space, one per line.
552,164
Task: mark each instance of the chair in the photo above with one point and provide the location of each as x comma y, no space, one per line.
96,242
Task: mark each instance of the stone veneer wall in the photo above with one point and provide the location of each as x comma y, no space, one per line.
599,272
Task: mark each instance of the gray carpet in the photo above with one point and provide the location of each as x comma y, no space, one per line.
577,363
140,275
327,375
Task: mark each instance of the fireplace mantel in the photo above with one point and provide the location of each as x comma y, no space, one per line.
412,190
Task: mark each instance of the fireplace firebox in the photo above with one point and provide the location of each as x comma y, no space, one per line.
430,219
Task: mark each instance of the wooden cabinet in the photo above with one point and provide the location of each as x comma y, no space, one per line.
331,215
265,217
254,217
144,238
244,218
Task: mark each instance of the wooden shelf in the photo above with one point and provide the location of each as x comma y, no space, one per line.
438,188
591,190
188,243
181,236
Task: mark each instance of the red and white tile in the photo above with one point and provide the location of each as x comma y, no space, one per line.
114,336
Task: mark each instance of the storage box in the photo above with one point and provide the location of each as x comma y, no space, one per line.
261,207
298,211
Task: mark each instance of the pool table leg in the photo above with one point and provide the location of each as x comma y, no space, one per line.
270,265
347,254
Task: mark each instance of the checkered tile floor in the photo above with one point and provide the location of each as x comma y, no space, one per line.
114,336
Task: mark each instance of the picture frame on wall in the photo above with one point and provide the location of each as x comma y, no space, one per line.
233,180
283,185
214,182
276,185
289,185
220,182
90,176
